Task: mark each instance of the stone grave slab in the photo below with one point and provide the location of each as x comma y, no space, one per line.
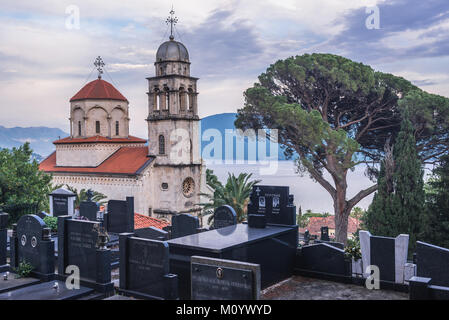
219,279
46,291
144,268
224,216
432,262
184,225
89,209
152,233
31,243
79,245
120,216
62,202
14,283
3,241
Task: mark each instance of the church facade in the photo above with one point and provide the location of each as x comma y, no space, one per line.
165,175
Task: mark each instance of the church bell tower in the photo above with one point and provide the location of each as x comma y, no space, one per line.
173,125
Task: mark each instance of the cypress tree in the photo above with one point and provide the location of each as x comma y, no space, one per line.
398,205
436,224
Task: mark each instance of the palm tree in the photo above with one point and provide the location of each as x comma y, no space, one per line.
82,196
235,193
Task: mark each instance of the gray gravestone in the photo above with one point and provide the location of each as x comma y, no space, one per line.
120,216
144,268
432,262
62,202
224,216
81,243
218,279
3,240
184,225
31,243
152,233
274,202
89,210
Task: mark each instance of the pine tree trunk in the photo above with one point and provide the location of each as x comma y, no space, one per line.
341,211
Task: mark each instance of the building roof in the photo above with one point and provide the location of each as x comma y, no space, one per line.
98,89
315,224
172,51
100,139
125,161
141,221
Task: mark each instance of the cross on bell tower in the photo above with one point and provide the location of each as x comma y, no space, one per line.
99,64
172,20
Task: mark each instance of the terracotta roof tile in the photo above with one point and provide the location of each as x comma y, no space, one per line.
141,221
315,224
126,160
99,89
99,139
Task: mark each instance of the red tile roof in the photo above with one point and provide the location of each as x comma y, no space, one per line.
141,221
99,89
100,139
315,224
126,160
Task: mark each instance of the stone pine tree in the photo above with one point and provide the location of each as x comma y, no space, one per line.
334,114
398,206
436,222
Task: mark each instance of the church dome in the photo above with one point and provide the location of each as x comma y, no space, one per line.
172,51
98,89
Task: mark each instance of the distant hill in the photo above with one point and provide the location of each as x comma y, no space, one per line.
40,139
224,121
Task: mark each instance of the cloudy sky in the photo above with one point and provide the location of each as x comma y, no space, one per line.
43,63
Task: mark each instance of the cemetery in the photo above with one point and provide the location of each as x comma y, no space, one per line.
240,261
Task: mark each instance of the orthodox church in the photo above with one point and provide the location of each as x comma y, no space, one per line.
166,175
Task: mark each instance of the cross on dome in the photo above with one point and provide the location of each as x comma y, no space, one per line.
172,20
99,64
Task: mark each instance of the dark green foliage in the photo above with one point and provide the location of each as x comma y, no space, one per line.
52,223
23,270
398,206
22,185
235,193
436,222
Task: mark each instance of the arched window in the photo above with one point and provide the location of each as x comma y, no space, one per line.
97,127
190,99
117,128
182,98
167,98
79,128
161,144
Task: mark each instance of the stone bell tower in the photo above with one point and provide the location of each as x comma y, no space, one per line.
173,125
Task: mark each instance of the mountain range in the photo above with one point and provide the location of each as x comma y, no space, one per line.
41,138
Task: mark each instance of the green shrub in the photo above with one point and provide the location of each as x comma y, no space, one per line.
24,269
52,223
352,249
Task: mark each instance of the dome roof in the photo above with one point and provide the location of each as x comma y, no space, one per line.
99,89
172,51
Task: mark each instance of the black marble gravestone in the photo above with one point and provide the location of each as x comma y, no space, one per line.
152,233
382,253
89,209
120,216
322,260
432,262
273,247
80,243
184,225
3,241
218,279
144,268
31,243
325,234
224,216
60,199
274,202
